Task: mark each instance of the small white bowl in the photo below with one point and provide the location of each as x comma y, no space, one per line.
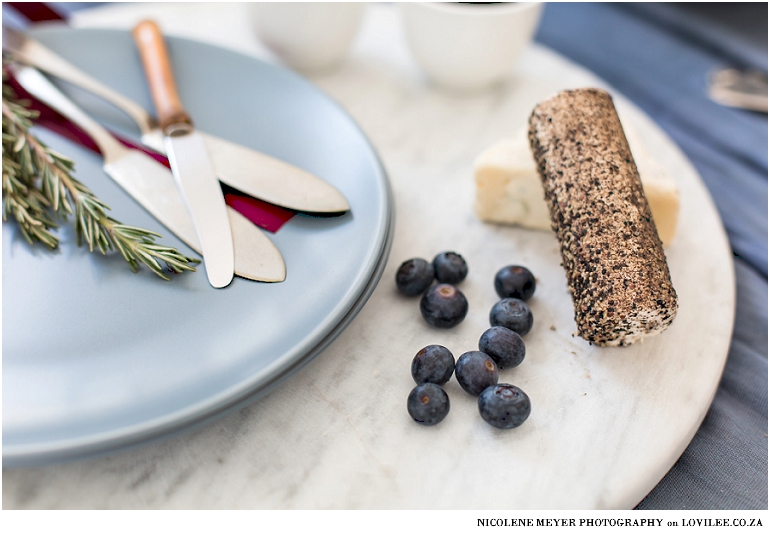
465,47
311,37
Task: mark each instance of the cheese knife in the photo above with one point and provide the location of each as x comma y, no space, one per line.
152,186
245,169
189,158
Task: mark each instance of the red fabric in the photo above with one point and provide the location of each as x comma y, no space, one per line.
35,11
267,216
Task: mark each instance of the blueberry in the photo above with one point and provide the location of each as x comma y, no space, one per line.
475,371
414,276
504,406
515,281
513,314
504,346
450,268
428,404
443,306
433,364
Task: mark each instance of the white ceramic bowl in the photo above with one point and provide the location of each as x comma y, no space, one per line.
466,47
311,37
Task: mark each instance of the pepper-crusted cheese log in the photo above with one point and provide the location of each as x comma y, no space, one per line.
616,269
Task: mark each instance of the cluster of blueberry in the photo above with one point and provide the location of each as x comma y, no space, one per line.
504,406
442,305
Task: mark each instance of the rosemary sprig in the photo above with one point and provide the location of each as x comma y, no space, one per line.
38,185
21,199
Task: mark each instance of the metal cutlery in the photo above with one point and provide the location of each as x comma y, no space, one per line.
739,89
153,187
247,170
191,164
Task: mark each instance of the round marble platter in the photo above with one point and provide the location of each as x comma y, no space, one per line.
606,424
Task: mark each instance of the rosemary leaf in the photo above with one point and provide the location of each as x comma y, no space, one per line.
38,185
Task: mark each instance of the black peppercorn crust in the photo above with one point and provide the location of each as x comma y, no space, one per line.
616,269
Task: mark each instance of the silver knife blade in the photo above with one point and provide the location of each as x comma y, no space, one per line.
191,164
267,178
152,186
196,178
245,169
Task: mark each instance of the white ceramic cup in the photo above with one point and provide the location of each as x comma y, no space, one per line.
311,37
466,47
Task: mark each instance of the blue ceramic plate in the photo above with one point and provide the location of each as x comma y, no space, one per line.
96,358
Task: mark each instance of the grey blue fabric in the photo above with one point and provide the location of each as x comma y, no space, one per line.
660,57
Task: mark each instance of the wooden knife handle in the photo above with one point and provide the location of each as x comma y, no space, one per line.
160,76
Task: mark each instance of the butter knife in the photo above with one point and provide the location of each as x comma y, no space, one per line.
191,164
245,169
152,186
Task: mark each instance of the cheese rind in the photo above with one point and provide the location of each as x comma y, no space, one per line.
508,188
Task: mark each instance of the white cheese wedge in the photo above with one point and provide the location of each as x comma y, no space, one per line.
508,188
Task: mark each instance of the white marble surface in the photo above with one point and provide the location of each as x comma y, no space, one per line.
606,423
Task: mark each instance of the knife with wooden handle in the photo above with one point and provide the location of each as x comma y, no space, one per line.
190,161
245,169
152,186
